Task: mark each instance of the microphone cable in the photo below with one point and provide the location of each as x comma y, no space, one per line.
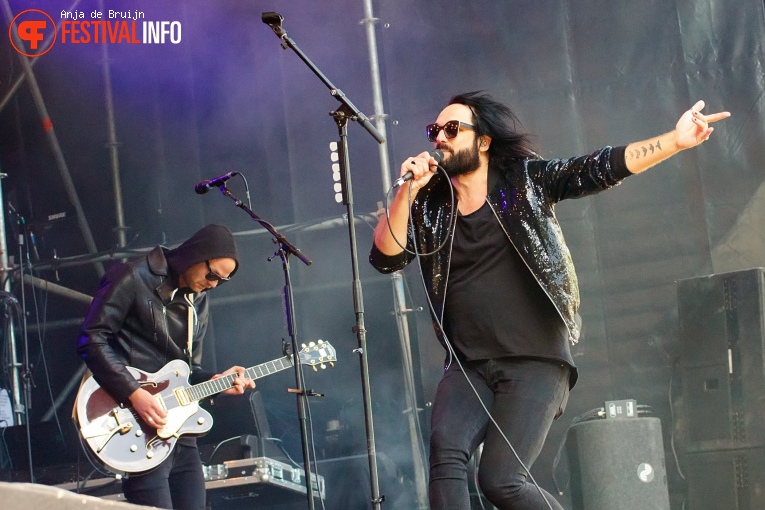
409,220
453,356
450,348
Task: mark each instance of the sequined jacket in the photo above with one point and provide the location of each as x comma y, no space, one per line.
523,200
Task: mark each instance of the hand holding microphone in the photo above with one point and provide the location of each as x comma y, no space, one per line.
437,155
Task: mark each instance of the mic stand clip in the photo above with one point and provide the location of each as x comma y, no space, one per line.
307,393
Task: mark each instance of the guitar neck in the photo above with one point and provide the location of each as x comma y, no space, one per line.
214,386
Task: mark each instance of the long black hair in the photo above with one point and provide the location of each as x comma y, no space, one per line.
491,118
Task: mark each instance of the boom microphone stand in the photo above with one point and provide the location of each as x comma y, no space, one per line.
342,115
285,250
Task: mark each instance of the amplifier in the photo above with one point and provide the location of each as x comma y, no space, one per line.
261,481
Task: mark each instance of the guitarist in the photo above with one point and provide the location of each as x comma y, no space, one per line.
146,313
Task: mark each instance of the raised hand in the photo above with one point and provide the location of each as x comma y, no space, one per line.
694,128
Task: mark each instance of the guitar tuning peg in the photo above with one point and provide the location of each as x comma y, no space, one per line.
323,366
303,346
311,344
314,368
332,364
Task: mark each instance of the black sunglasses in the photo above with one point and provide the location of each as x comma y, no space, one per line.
451,129
213,276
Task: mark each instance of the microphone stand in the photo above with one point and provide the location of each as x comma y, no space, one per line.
347,111
285,250
26,378
22,410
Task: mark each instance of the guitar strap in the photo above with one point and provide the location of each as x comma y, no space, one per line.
191,323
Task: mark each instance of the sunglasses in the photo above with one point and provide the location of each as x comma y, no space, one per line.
213,276
451,129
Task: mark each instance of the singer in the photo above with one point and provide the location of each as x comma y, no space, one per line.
146,313
503,290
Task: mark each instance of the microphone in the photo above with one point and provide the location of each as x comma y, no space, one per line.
35,253
274,20
203,187
271,18
438,155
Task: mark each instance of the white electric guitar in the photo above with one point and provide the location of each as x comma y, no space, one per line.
126,444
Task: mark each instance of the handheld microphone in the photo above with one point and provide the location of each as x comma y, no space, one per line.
203,187
438,155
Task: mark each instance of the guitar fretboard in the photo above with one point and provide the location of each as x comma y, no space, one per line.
213,386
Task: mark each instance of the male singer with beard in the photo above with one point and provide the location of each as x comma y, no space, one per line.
145,314
502,285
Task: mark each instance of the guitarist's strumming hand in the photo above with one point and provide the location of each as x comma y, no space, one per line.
239,384
148,408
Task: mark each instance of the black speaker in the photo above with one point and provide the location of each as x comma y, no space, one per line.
722,328
51,445
726,480
618,464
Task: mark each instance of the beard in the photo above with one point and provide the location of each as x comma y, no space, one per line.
462,162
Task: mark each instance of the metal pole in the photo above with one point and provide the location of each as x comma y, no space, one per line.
22,76
74,382
18,407
55,288
113,144
399,296
53,141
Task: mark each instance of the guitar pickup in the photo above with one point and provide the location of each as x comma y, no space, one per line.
182,395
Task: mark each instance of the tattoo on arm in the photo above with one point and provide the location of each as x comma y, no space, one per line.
643,151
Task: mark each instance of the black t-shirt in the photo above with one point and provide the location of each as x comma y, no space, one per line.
494,305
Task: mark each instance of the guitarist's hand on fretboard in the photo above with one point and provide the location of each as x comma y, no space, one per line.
148,408
120,437
241,382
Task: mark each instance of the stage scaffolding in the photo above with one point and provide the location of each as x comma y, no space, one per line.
400,307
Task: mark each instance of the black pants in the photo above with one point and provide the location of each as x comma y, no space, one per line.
176,483
523,396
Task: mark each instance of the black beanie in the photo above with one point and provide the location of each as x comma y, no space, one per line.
208,243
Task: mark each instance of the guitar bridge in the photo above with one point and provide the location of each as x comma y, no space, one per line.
97,431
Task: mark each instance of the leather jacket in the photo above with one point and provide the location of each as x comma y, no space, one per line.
136,319
522,197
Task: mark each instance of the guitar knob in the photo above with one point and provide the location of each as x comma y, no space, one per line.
133,448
